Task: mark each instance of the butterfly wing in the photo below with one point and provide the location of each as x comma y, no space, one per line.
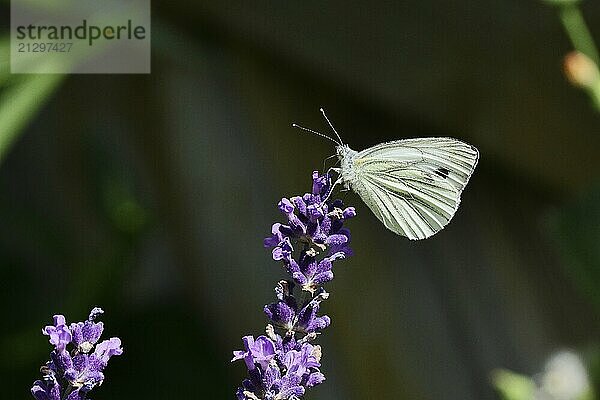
413,186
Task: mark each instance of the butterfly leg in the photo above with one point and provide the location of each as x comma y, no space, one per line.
328,158
334,169
337,182
338,171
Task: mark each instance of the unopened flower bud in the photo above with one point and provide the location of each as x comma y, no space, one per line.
580,70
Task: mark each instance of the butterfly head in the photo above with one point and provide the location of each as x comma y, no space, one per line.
346,156
342,151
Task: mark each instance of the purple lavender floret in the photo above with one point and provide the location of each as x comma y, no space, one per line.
316,229
280,368
77,362
287,315
283,364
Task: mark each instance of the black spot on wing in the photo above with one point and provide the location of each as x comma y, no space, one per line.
443,172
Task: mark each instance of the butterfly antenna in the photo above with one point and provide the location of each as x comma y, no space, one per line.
331,125
315,132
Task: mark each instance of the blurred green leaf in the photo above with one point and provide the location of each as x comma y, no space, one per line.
19,104
4,60
589,395
561,2
577,233
580,36
124,211
575,26
592,361
513,386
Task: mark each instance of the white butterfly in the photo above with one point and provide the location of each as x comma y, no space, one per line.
412,185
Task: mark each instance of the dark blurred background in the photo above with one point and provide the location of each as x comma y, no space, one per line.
149,195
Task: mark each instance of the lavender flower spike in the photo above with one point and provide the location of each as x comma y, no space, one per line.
284,365
71,372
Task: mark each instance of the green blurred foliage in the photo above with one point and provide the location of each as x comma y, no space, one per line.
576,231
513,386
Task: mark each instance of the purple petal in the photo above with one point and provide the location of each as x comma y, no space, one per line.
336,239
80,362
238,355
76,332
44,391
349,212
39,392
310,268
262,351
62,360
293,267
248,385
286,231
275,237
297,391
108,348
324,265
336,256
319,182
60,335
91,333
272,375
240,394
277,254
315,379
306,316
96,311
314,212
319,323
285,206
326,225
280,314
78,394
299,278
297,226
300,204
248,359
71,374
322,277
